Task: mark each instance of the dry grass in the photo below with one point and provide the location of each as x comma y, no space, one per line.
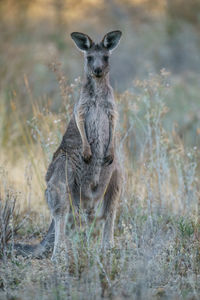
10,222
157,234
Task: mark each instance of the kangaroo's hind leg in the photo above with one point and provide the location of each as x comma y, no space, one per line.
110,203
56,196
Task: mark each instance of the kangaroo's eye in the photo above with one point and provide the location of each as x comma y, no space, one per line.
106,58
89,58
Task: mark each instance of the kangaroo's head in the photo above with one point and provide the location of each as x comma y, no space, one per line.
97,54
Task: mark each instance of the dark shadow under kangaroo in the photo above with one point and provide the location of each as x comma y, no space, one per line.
85,166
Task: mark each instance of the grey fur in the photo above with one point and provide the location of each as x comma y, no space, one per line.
87,152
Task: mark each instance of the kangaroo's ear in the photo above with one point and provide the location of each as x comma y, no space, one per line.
111,39
82,41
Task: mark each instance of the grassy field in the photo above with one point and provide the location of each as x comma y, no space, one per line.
157,232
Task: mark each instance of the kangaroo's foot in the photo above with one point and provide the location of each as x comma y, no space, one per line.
60,251
108,234
60,241
107,244
110,203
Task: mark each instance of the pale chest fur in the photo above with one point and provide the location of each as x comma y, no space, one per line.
97,112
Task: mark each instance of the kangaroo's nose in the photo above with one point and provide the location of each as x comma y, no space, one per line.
98,72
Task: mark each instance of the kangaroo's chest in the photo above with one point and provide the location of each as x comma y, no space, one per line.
97,126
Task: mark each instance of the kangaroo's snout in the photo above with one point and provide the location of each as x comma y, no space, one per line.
98,72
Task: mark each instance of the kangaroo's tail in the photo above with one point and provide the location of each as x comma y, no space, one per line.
39,250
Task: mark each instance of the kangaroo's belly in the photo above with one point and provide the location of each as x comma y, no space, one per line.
88,180
97,129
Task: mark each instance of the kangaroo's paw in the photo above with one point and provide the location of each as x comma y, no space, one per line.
87,154
109,156
108,160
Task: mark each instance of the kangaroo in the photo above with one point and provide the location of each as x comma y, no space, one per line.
84,172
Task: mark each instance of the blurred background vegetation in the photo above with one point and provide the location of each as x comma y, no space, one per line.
37,56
